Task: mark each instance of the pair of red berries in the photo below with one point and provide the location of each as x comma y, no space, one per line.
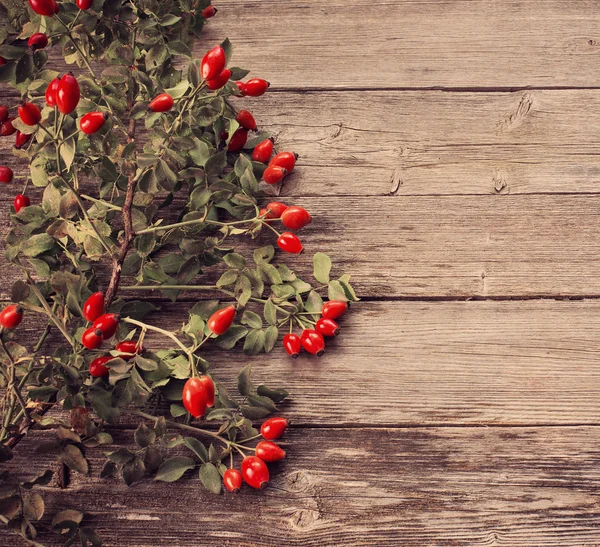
212,68
11,316
127,350
294,217
63,93
253,88
198,393
7,128
102,329
281,165
312,340
254,469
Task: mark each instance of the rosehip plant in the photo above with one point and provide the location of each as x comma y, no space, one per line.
142,171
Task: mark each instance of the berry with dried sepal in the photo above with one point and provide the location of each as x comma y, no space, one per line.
107,324
292,344
98,368
313,342
11,316
29,113
274,174
92,122
255,472
92,338
295,217
327,327
256,87
287,160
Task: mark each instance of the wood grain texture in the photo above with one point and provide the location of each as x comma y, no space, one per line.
363,487
427,363
405,43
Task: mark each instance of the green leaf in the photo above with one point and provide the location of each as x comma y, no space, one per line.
216,163
226,45
276,395
262,401
270,312
271,335
196,447
251,319
37,244
255,342
336,291
314,303
210,477
73,458
322,267
134,471
234,260
177,410
229,277
174,468
67,152
244,385
229,339
144,436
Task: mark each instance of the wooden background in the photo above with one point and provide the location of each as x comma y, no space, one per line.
449,153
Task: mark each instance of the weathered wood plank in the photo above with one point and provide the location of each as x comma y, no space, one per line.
415,487
435,143
413,363
402,43
453,247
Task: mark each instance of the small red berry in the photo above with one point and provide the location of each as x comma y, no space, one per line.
295,217
209,387
241,88
97,368
246,120
194,397
290,243
213,63
92,122
162,103
6,174
21,201
51,92
38,41
11,316
269,452
224,135
7,128
273,428
287,160
44,7
274,174
220,321
238,140
256,87
292,344
333,309
29,113
327,327
263,150
275,209
84,4
3,61
255,472
209,12
232,479
92,338
219,81
107,324
21,139
3,114
128,349
93,307
67,94
313,342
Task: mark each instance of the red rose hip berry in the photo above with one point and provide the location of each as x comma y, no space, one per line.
44,7
7,128
38,41
232,479
21,139
333,309
241,88
11,316
20,202
98,368
273,428
219,81
220,321
327,327
238,140
295,217
6,174
213,63
287,160
256,87
128,349
92,338
67,94
84,4
246,120
51,92
209,12
92,122
290,243
93,307
263,150
269,452
194,397
29,113
107,324
275,209
161,103
274,174
209,387
313,342
292,344
3,114
255,472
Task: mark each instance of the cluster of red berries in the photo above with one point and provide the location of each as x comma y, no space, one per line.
254,469
6,176
7,128
294,218
313,340
104,325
